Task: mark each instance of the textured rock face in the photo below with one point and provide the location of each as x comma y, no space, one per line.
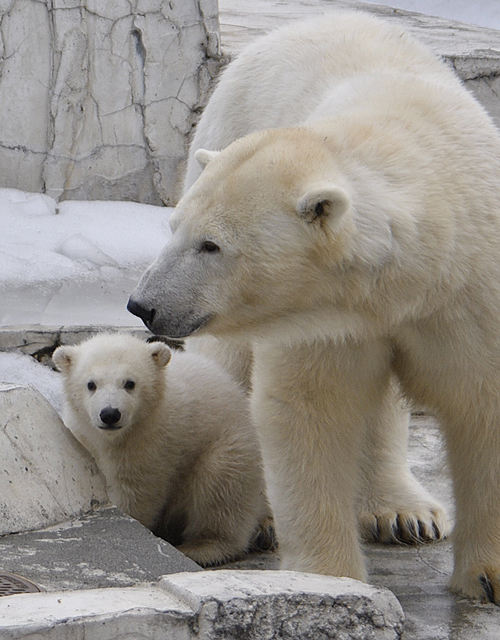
212,605
46,476
98,97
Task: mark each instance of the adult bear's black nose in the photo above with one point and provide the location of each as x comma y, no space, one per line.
110,416
146,315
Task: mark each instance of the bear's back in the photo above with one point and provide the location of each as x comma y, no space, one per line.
280,79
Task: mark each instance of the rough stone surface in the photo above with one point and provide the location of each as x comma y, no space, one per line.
46,476
98,98
286,605
102,549
218,605
40,341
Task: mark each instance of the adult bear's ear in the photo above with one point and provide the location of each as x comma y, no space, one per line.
160,353
203,156
320,203
63,358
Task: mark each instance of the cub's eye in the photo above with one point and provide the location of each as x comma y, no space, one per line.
91,385
209,247
129,385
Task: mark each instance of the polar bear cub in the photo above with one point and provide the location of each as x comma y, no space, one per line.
171,433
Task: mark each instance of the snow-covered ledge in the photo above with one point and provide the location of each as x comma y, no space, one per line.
98,97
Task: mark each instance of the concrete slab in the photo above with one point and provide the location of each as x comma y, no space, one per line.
99,550
40,341
220,605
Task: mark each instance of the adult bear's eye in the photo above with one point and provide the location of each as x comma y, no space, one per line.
91,385
209,247
129,385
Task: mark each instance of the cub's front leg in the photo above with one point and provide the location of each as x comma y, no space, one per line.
310,403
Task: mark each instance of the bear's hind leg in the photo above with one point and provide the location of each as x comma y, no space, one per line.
474,452
394,506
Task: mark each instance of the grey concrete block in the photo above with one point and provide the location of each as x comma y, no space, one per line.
40,341
213,605
287,605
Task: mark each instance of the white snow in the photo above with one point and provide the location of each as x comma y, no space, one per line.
25,370
76,262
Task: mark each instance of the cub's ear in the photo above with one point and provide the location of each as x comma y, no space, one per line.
320,203
63,358
203,156
160,353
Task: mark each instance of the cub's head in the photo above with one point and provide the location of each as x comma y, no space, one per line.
252,240
112,380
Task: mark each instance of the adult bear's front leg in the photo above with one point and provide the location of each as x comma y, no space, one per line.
310,403
393,505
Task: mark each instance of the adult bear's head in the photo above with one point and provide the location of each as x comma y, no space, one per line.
255,241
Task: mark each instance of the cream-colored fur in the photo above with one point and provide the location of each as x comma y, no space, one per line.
181,456
356,244
271,85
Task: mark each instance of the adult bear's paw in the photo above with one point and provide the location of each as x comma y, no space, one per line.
400,510
480,583
405,526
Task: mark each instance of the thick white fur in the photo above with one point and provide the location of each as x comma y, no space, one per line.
403,285
185,461
297,75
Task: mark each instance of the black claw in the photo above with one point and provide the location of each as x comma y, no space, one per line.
421,534
265,540
488,588
437,532
399,531
396,530
405,532
413,535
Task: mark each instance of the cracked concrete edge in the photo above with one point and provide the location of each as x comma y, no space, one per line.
211,605
41,340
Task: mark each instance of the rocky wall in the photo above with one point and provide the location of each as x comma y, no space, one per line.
98,98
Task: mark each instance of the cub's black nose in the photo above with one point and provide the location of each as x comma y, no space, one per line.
110,417
146,315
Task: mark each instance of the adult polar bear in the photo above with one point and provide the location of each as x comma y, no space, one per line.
358,244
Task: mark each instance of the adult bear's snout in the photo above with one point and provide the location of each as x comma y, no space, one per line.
144,313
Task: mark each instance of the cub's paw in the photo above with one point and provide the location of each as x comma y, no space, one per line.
481,583
405,526
210,553
264,537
